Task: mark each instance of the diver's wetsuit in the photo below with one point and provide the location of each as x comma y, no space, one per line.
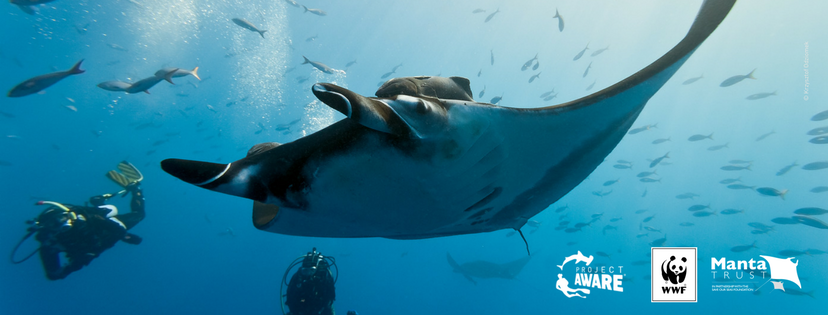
89,238
314,295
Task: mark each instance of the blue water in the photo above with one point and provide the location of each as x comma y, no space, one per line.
58,145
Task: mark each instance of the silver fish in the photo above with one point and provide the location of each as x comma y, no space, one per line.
819,189
496,100
118,86
692,80
783,220
734,168
810,211
718,147
737,78
740,186
489,18
686,224
809,221
321,66
622,166
698,207
315,11
662,140
586,72
649,180
491,53
599,51
581,54
786,169
38,83
772,192
648,219
757,96
483,91
478,11
659,159
646,174
529,63
560,20
819,140
820,116
700,137
818,131
610,182
245,24
731,211
545,94
591,85
531,79
815,166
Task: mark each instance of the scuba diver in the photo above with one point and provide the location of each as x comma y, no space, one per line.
311,289
82,233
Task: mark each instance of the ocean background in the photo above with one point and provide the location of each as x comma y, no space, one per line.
201,254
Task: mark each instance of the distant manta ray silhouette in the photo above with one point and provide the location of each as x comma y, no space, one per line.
423,159
485,269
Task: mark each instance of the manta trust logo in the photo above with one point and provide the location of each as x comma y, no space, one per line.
732,274
674,276
586,276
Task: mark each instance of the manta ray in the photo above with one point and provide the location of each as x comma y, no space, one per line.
422,159
485,270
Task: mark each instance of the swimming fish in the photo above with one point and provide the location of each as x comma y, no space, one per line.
581,54
687,196
700,137
642,128
772,192
489,18
535,67
478,11
599,51
647,219
786,169
743,248
591,85
479,73
820,116
646,174
718,147
819,140
561,209
496,99
810,211
587,70
177,73
315,11
483,91
662,140
698,207
610,182
757,96
762,137
245,24
815,166
686,224
550,97
116,86
321,66
529,63
731,211
560,20
117,47
545,94
819,189
491,53
293,3
649,180
38,83
659,242
809,221
818,131
692,80
734,168
737,78
740,186
622,166
145,84
783,220
659,159
413,164
534,77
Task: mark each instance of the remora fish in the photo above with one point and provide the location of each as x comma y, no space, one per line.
245,24
423,160
38,83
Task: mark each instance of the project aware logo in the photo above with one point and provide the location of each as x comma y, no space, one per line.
674,274
602,278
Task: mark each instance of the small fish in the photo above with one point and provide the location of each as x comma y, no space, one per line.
572,230
581,224
478,11
740,186
698,207
483,91
651,229
762,137
783,220
649,180
692,80
686,224
760,226
819,189
757,96
315,11
529,63
820,116
616,219
737,78
550,97
687,196
622,166
571,243
561,209
662,140
791,253
591,85
586,72
491,52
648,219
602,254
659,242
734,168
610,182
481,72
533,223
144,85
351,63
489,18
743,248
581,54
245,24
150,152
644,194
818,131
545,94
659,159
731,211
641,129
321,66
785,169
718,147
116,86
496,100
563,223
38,83
177,73
624,162
811,211
819,140
293,3
642,235
815,166
599,51
640,211
700,137
532,78
809,221
646,174
537,65
211,108
730,180
560,20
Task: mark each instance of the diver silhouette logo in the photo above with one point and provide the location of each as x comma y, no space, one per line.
604,277
674,270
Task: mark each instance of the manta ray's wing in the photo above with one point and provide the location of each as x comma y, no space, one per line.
458,269
510,270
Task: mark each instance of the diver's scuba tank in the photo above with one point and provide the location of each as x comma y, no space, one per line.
310,264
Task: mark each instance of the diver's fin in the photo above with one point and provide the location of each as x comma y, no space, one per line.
118,178
130,171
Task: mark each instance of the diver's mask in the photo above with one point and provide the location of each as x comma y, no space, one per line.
57,218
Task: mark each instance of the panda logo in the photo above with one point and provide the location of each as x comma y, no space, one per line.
674,270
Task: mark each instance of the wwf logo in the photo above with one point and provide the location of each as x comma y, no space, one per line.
674,270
